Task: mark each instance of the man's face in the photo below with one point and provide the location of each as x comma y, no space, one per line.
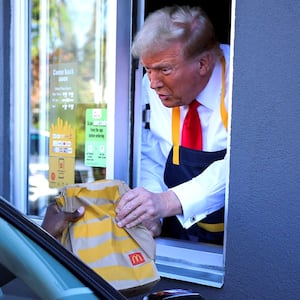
176,81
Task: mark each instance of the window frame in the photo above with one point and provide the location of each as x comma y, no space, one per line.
20,108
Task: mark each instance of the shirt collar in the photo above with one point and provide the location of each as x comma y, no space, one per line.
210,96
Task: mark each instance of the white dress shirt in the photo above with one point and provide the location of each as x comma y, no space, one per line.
205,193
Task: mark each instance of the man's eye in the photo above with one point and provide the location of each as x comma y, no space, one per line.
166,70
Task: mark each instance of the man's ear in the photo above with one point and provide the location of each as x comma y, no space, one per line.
205,61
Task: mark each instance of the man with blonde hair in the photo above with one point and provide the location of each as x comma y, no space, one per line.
186,82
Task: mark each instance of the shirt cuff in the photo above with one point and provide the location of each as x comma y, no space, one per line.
197,205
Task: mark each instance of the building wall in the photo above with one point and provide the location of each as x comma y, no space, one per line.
263,257
262,251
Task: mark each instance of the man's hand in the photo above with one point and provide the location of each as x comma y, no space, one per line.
154,226
55,220
139,206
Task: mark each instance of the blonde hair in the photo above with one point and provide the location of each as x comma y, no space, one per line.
187,25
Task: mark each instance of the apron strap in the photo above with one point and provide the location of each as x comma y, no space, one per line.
176,133
219,227
224,113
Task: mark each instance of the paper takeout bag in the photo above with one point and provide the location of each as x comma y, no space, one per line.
123,257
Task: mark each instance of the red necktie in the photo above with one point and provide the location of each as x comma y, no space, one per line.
191,136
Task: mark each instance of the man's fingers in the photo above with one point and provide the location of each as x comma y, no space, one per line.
75,215
53,208
134,215
80,211
125,201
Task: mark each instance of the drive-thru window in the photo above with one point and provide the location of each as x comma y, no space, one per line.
82,115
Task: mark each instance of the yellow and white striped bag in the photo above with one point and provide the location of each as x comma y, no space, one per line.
123,257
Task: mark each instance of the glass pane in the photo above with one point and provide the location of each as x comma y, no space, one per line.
68,117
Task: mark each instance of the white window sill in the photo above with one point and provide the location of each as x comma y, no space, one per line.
191,262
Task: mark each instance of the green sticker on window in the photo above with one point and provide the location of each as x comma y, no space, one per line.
95,137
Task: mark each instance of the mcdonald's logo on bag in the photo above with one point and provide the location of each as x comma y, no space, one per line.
136,258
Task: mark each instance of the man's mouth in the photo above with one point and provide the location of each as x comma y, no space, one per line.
163,97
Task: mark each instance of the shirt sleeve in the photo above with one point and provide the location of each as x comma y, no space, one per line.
203,194
152,157
152,168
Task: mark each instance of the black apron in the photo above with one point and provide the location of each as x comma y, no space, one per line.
192,163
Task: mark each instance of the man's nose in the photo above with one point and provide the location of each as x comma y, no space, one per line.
155,80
